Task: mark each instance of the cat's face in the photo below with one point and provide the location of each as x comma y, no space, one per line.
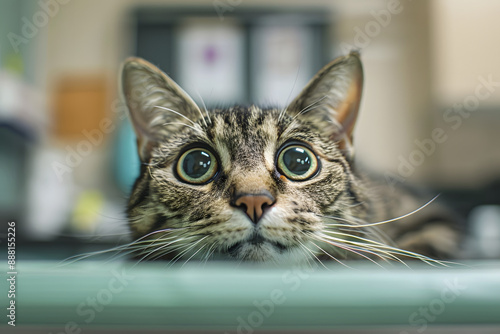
248,183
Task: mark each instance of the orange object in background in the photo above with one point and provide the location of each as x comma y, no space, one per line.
80,103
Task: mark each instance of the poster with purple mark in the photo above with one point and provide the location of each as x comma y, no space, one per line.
211,62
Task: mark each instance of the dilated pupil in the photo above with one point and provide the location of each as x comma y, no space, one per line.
196,164
297,160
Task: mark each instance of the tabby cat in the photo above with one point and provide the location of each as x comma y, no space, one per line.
267,184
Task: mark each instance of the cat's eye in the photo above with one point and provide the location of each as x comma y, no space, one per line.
297,162
197,166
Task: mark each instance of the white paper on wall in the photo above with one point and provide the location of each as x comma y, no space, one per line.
211,62
281,62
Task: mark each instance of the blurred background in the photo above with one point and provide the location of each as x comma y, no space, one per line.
430,113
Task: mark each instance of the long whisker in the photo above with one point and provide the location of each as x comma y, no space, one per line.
303,111
160,247
180,123
193,255
209,252
331,256
178,256
389,250
381,222
175,112
306,256
366,232
309,107
206,111
283,111
383,254
136,244
385,248
167,250
351,249
140,247
314,255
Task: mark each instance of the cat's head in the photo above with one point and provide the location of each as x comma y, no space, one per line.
245,182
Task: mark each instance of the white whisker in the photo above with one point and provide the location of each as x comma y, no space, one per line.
179,255
193,255
180,123
314,255
381,222
309,107
331,256
350,249
206,111
283,111
175,112
386,249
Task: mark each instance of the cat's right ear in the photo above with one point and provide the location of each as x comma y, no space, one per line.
330,101
157,105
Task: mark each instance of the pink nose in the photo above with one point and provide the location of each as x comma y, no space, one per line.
254,205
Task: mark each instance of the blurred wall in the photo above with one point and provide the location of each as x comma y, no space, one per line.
421,59
464,45
88,36
465,52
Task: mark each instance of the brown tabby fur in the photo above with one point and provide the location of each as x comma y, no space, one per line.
313,219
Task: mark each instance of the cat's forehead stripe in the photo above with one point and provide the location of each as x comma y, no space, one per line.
243,134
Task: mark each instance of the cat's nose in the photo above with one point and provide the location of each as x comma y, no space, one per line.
254,204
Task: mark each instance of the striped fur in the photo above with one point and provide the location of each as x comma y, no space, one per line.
318,218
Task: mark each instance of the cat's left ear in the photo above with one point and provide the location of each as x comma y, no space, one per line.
330,101
157,105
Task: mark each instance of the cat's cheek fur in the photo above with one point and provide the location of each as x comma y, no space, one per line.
276,227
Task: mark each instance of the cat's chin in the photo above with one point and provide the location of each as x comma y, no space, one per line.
263,251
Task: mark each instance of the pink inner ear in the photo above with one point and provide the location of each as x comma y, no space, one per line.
347,111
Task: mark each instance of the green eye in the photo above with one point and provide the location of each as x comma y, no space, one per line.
197,166
297,162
